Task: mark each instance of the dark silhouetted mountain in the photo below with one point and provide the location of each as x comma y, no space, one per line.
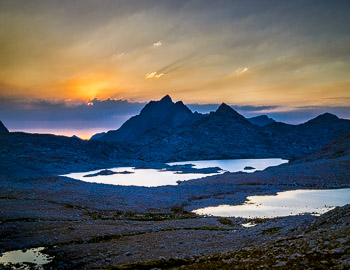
3,129
261,120
156,114
220,134
168,131
226,111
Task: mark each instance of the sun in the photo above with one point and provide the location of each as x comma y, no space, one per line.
88,87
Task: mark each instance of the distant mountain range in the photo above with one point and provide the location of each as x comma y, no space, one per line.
171,131
165,131
167,114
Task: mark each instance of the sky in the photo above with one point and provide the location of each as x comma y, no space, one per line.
289,59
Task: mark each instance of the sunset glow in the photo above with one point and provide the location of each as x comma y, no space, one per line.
245,53
205,53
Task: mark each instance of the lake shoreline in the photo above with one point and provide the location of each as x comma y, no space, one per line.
171,173
75,219
286,203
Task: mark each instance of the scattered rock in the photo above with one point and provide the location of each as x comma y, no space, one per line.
281,264
294,256
341,240
337,250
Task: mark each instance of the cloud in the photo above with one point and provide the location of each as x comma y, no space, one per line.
58,50
240,71
154,75
151,75
158,43
106,114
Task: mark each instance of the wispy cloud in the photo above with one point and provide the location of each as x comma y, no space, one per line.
158,43
242,70
154,75
65,51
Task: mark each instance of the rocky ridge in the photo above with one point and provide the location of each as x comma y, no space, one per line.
167,131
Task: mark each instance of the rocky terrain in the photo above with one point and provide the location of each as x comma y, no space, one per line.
95,226
323,244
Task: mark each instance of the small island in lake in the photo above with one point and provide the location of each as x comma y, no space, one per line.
106,172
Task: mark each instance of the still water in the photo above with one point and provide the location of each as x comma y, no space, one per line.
235,165
285,203
33,255
154,177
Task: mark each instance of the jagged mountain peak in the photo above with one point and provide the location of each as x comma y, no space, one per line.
166,98
224,108
164,105
163,113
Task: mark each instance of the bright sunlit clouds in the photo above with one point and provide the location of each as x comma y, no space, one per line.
154,74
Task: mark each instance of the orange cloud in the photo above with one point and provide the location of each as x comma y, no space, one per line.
154,75
240,71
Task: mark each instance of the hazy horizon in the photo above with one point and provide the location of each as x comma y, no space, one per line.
88,118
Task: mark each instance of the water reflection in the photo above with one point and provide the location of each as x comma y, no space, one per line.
33,255
129,176
285,203
235,165
138,177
